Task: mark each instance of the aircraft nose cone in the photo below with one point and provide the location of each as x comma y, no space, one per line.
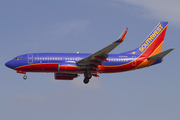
8,64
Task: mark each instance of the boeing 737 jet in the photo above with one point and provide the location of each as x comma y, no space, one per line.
67,66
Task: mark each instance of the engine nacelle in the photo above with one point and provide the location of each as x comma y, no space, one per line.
64,76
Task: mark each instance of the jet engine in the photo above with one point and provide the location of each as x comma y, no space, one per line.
64,76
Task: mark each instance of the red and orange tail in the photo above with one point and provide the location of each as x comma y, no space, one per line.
154,41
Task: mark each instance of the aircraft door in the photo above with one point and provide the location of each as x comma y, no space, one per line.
30,58
134,61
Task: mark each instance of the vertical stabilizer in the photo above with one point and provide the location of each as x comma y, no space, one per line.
153,43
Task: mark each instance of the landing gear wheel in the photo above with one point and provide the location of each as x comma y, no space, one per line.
86,80
87,76
24,77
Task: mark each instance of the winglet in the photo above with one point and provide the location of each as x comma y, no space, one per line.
122,36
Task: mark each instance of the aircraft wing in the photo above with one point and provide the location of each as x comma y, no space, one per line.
97,58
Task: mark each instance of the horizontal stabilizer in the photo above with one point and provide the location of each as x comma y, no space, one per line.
160,55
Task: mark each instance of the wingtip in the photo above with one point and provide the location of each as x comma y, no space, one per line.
122,36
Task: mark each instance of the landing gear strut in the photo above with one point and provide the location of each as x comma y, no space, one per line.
87,76
24,77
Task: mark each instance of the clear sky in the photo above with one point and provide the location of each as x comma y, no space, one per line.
87,26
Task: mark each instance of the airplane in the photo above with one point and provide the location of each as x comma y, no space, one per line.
67,66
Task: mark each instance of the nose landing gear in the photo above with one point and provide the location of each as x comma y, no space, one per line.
25,77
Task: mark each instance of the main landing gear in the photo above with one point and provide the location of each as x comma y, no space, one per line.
87,76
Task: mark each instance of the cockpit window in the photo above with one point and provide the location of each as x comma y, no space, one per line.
17,58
